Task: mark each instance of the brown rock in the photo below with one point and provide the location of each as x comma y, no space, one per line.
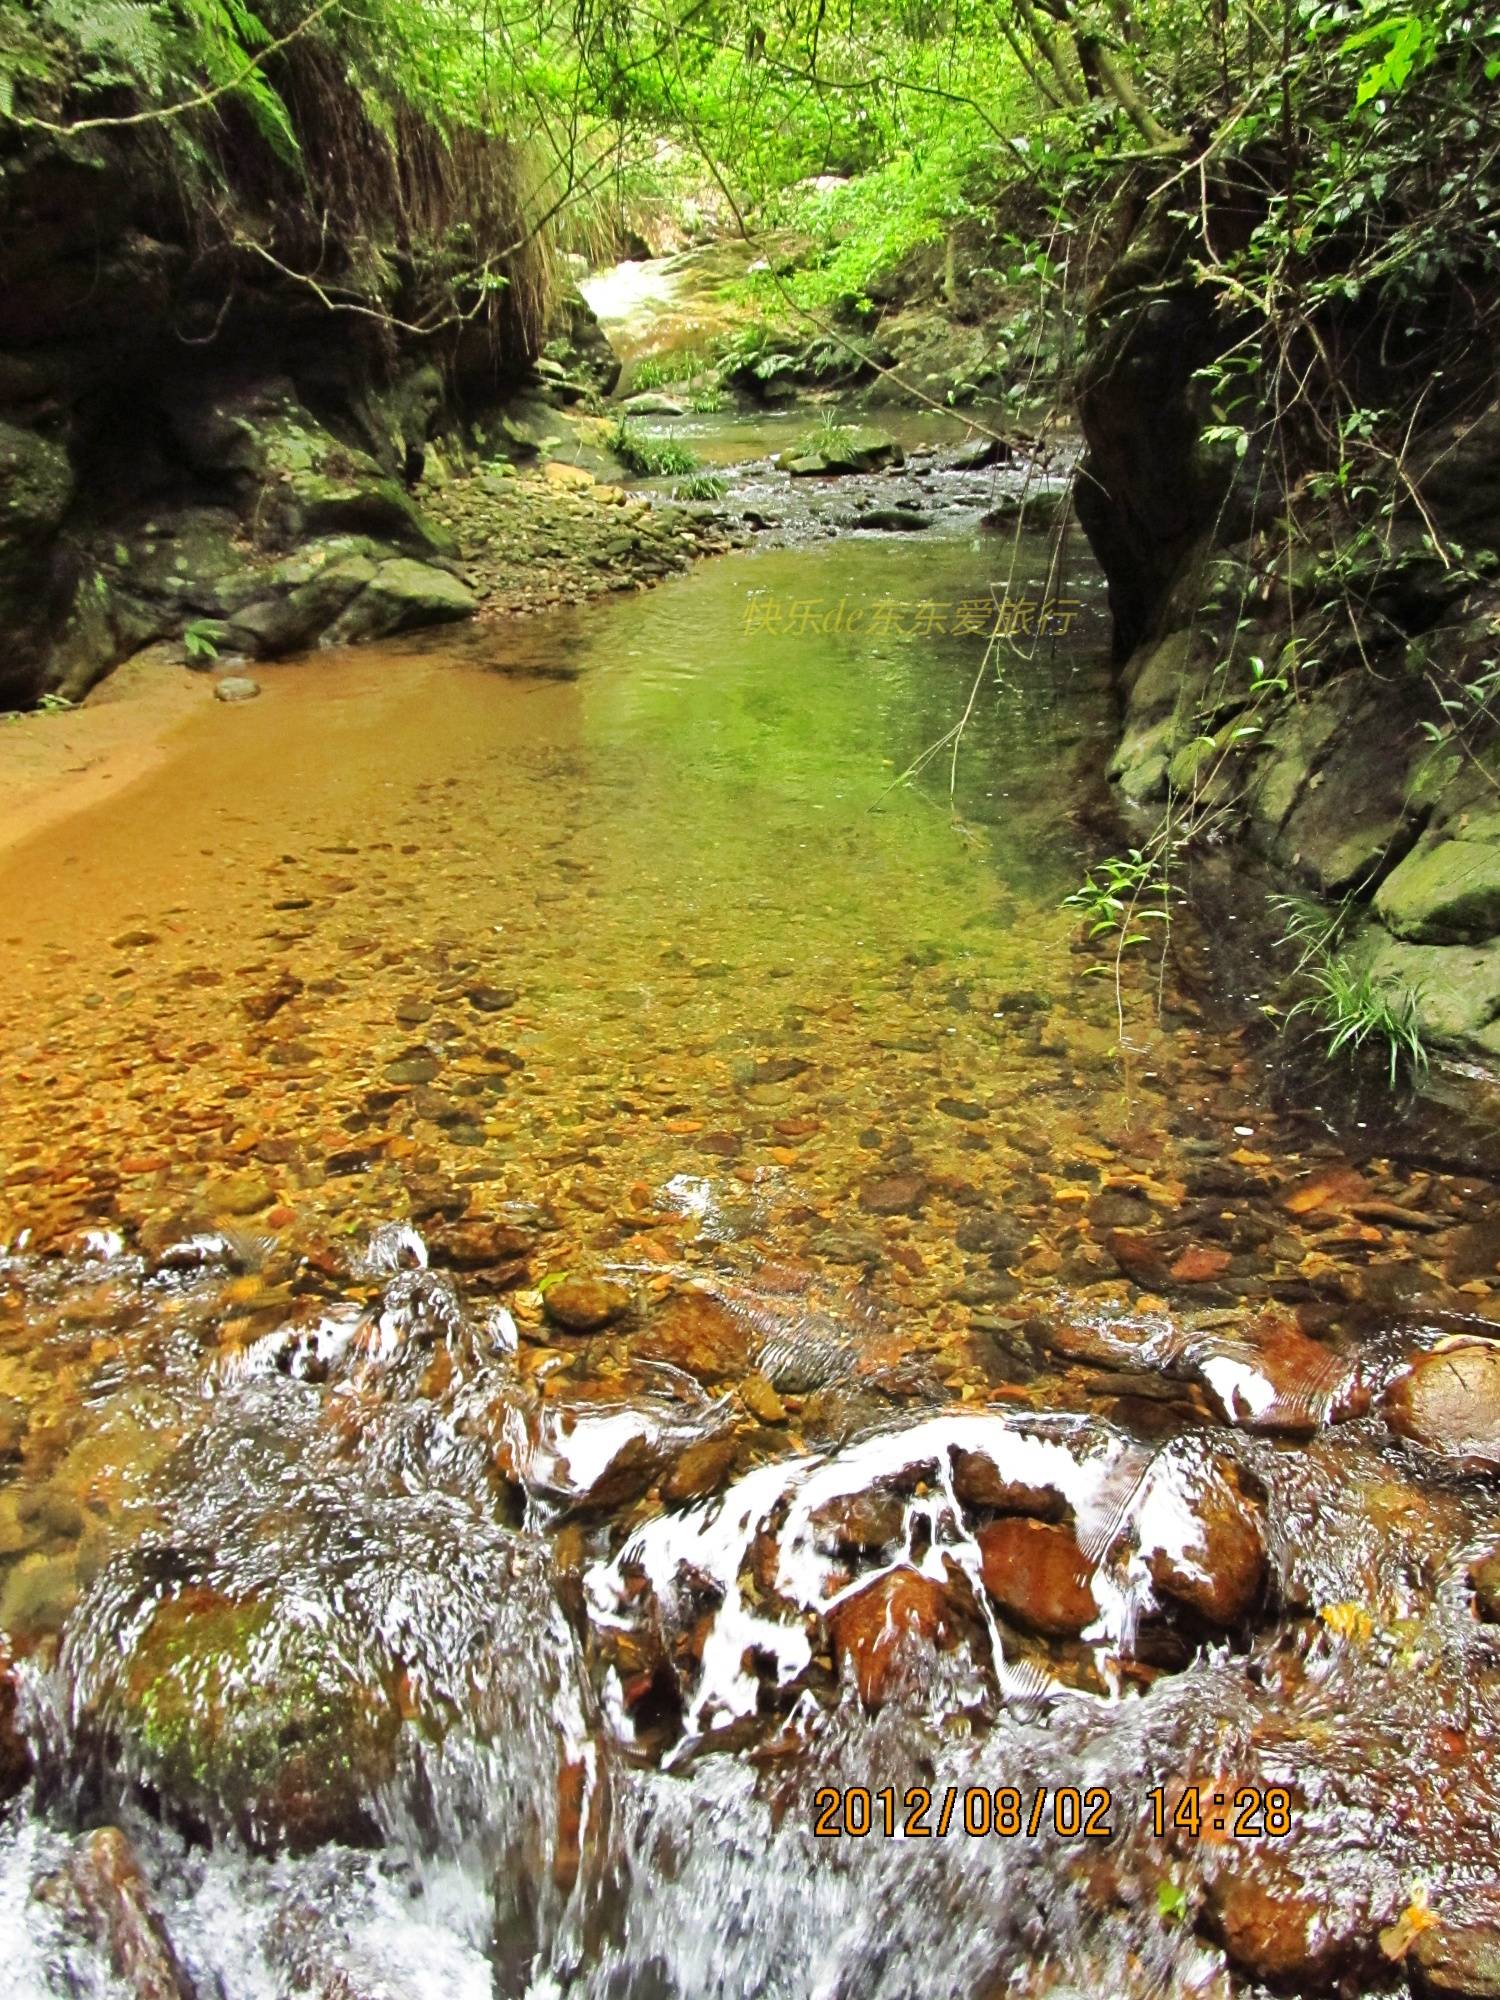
583,1305
1197,1264
1220,1575
859,1521
120,1912
472,1245
698,1334
880,1628
15,1756
978,1483
1457,1962
761,1400
701,1469
897,1194
1037,1574
1450,1401
1143,1258
1276,1929
1484,1578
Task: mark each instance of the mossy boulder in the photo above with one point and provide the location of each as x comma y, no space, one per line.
856,448
36,485
1445,892
1457,986
239,1717
400,596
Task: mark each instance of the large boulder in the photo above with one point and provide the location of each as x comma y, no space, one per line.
401,596
1444,892
237,1716
843,449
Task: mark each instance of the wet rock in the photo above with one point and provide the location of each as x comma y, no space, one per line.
15,1754
1038,1576
1198,1264
882,1632
14,1424
698,1334
265,1004
236,687
1484,1580
978,1482
848,1246
1209,1553
119,1910
760,1398
473,1245
1275,1927
239,1194
1457,1962
236,1716
896,1194
1449,1400
703,1468
890,520
991,1235
583,1305
1143,1258
859,1522
491,999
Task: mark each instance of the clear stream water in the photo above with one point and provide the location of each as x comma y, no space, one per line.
424,1643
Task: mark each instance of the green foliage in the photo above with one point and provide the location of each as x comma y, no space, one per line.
1349,1012
701,486
200,639
654,372
648,456
1120,894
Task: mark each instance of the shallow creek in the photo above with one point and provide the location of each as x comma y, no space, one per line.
584,1265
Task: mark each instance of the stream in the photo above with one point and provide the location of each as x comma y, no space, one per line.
626,1372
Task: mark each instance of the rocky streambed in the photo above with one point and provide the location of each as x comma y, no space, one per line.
625,1375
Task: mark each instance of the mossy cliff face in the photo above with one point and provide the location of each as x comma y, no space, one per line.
1299,687
189,433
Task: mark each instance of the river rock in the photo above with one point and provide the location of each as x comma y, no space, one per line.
236,687
1449,1400
235,1715
120,1913
880,1630
649,403
896,1194
473,1245
1216,1567
1038,1576
695,1332
857,1523
15,1755
402,595
703,1468
857,448
978,1482
1484,1580
1276,1928
991,1235
583,1305
1457,1962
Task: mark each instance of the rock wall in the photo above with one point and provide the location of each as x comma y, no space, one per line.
1292,687
192,439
